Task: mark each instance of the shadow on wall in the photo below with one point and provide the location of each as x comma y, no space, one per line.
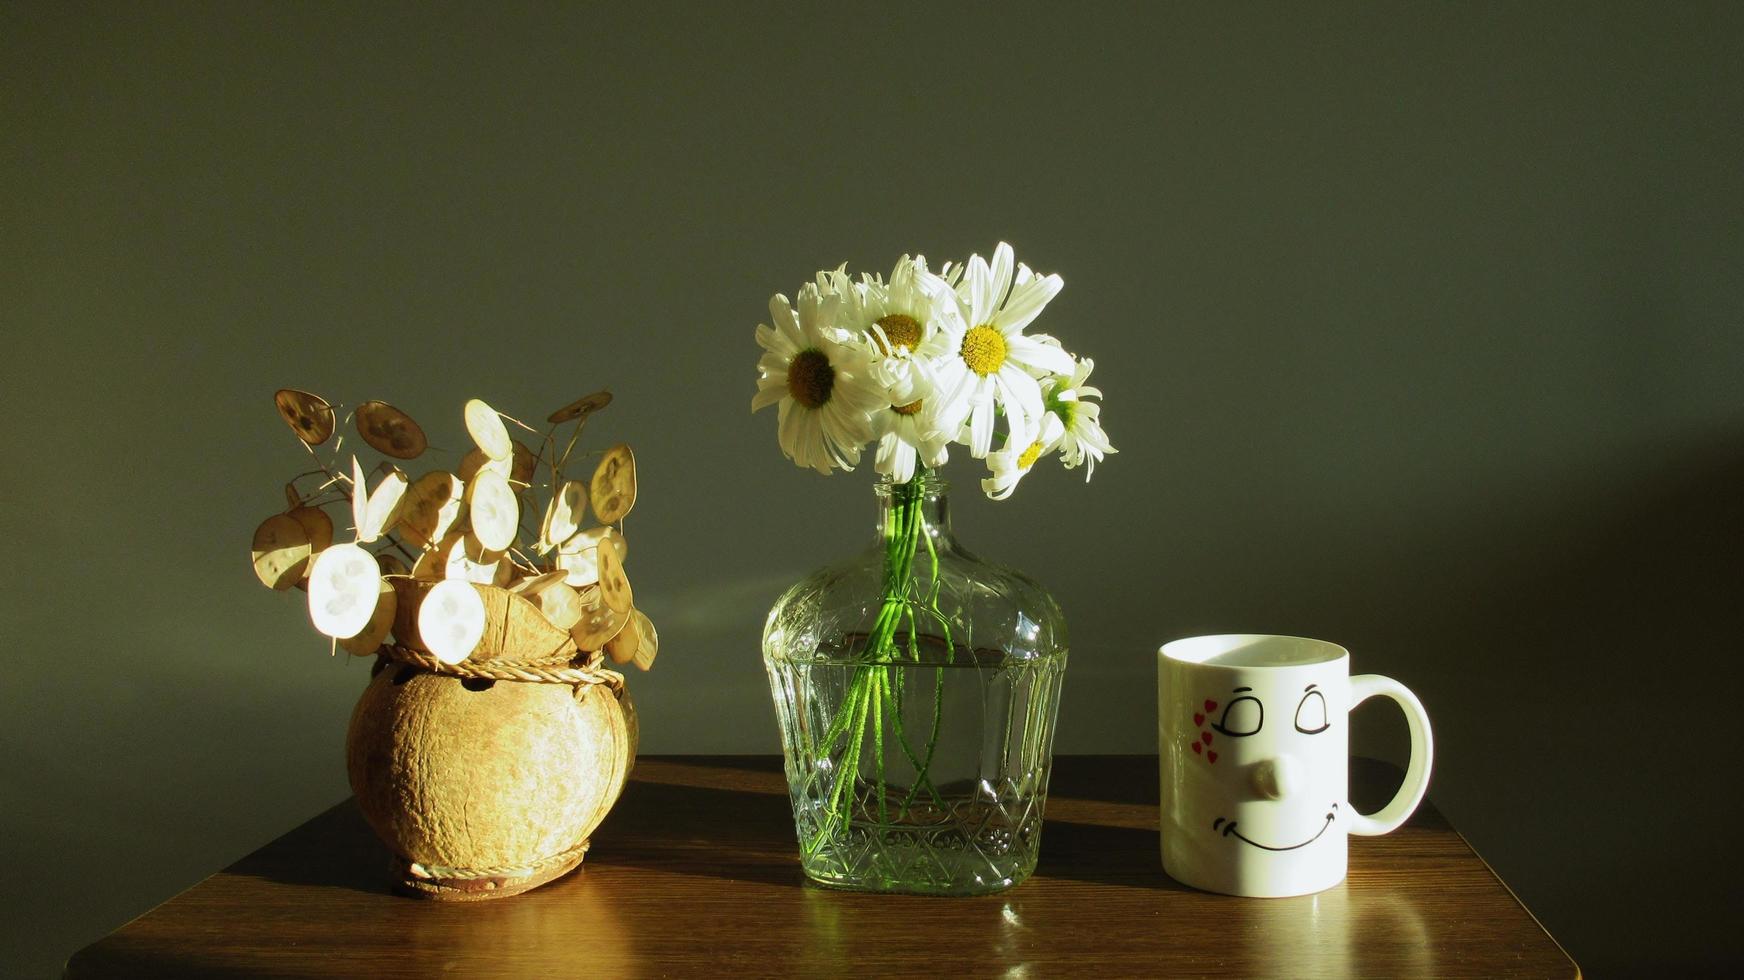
1592,636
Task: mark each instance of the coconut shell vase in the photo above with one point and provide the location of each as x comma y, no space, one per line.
492,737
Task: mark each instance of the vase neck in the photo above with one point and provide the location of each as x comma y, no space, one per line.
921,499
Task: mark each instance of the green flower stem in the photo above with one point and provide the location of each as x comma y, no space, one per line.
844,715
938,681
879,688
843,794
879,679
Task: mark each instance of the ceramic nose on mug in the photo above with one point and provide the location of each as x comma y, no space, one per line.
1275,779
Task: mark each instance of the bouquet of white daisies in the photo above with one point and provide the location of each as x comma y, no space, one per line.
923,361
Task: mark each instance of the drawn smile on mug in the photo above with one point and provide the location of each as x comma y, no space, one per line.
1230,831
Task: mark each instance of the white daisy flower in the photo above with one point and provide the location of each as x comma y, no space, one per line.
993,365
1081,439
900,320
821,381
907,433
1009,465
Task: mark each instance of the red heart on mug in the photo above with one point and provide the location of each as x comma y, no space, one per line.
1195,748
1198,719
1211,706
1212,756
1206,736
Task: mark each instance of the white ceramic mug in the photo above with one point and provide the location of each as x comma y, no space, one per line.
1254,754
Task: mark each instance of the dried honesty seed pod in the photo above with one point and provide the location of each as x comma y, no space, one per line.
622,648
519,470
493,509
614,585
381,621
449,560
563,517
560,605
383,508
580,408
432,507
614,485
359,496
281,552
649,643
451,620
587,540
344,588
390,431
476,462
432,563
308,415
477,551
578,556
597,625
532,585
487,429
292,497
580,569
317,525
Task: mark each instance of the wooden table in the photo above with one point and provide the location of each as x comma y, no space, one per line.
696,873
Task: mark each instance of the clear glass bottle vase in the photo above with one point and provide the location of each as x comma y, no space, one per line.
916,687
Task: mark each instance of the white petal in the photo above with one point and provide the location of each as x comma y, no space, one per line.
767,396
787,429
1002,267
1026,304
978,279
1052,433
1022,392
953,406
773,364
781,314
981,430
810,438
1047,357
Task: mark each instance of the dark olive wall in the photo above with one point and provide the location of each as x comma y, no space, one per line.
1420,327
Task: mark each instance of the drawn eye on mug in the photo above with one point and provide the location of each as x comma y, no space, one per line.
1311,715
1242,716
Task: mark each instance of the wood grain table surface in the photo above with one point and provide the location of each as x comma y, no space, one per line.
696,873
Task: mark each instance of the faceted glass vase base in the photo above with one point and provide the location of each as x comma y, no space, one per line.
972,847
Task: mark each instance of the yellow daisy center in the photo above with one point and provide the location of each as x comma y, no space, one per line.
901,330
1027,458
983,350
909,409
810,378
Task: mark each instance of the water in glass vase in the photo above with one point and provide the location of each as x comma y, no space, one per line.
916,688
962,819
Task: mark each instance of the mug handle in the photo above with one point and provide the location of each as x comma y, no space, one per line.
1389,817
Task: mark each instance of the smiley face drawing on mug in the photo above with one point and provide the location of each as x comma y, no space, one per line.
1253,756
1280,772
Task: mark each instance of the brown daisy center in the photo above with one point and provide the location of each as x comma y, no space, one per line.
810,378
909,409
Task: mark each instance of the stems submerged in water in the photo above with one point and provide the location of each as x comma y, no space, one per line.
880,680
